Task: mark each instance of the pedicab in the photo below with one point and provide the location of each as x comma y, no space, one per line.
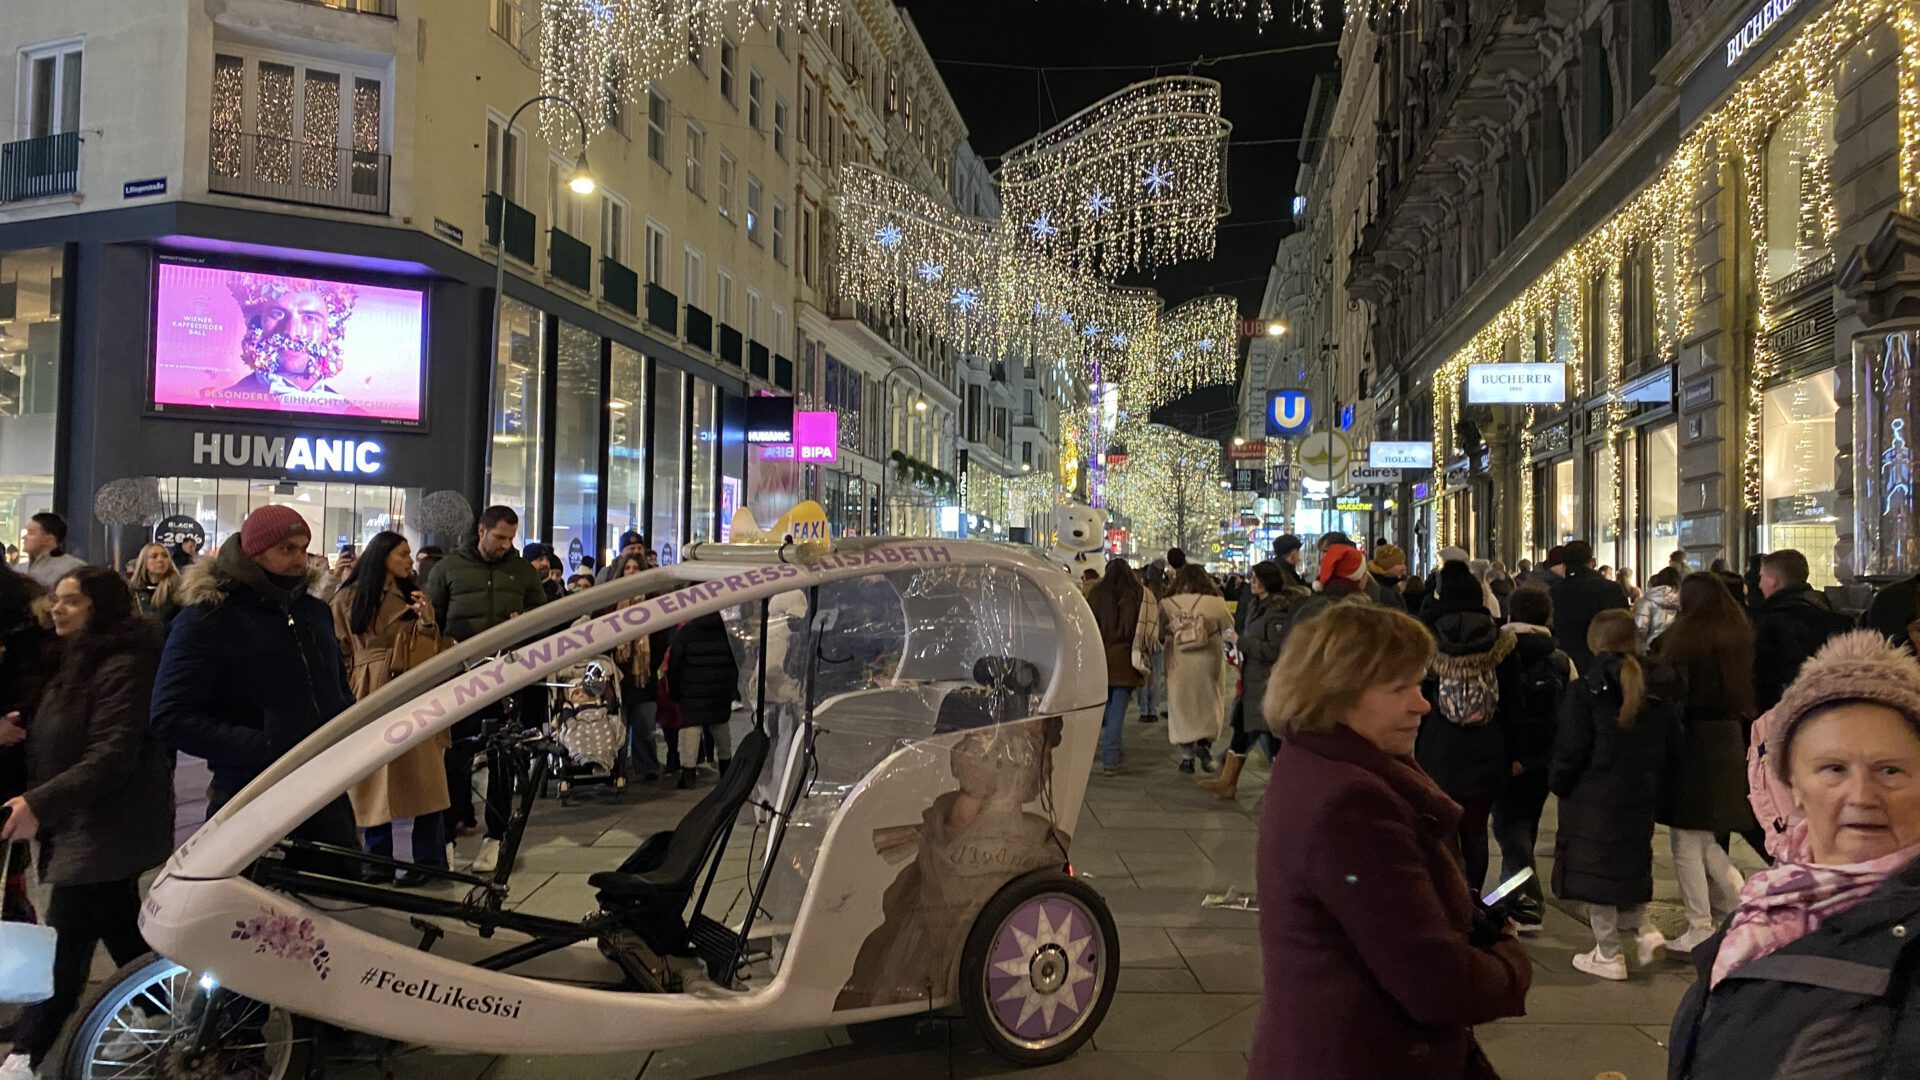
919,720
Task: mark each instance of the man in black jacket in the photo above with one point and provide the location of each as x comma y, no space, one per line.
482,584
1789,625
1577,598
251,666
1895,607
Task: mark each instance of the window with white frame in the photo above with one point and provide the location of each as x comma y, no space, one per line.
779,232
615,213
806,114
753,209
723,298
505,169
756,88
697,51
780,126
723,185
693,276
287,121
753,314
615,107
49,90
806,244
657,126
696,159
779,343
503,18
565,210
657,238
729,63
780,37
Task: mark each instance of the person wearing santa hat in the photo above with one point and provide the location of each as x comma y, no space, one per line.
251,666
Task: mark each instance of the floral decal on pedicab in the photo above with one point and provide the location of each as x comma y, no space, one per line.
288,937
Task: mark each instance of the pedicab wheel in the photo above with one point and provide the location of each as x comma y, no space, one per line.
1040,967
135,1027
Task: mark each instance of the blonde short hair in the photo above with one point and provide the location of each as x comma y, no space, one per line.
1334,657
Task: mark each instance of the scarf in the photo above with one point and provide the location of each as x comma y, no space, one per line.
1780,906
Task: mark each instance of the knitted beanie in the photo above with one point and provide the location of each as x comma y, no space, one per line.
1556,556
266,527
1451,554
1387,558
1856,666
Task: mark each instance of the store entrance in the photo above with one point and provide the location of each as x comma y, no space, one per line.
337,512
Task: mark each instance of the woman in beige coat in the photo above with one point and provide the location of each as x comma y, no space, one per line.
385,625
1193,619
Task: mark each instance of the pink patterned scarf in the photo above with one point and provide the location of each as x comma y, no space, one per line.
1780,906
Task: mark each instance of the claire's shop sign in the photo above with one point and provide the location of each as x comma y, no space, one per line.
289,453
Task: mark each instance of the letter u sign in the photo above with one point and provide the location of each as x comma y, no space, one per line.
1289,412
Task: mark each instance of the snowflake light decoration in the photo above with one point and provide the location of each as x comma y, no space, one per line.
1043,227
888,236
1098,203
966,300
931,271
1158,179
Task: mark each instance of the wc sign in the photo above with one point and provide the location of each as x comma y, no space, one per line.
1289,412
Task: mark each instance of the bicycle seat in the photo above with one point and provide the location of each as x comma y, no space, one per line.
650,890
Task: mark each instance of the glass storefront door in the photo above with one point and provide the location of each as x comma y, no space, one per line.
669,461
31,334
1566,505
518,388
702,459
576,445
1799,505
627,457
336,513
1660,524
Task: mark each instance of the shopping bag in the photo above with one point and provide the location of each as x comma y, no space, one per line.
26,953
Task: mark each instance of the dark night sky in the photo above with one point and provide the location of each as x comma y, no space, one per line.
1264,97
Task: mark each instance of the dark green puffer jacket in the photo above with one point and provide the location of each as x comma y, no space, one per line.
471,594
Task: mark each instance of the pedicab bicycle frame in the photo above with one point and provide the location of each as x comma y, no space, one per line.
1035,959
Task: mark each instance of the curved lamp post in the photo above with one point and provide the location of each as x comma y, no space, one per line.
581,182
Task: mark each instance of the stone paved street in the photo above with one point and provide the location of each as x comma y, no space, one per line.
1153,844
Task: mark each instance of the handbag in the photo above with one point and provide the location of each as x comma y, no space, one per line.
413,648
26,952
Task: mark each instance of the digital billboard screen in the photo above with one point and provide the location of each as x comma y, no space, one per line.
272,343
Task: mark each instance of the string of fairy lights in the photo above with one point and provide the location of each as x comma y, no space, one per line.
1660,225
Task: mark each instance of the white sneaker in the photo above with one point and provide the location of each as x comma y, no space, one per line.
1689,941
489,857
16,1068
453,854
1601,967
1649,946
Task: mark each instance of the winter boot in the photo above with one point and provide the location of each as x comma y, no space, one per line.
1227,784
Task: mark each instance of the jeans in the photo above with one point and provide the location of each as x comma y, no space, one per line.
429,840
460,782
1516,827
84,916
643,758
1473,841
1151,691
1112,725
1610,922
1709,883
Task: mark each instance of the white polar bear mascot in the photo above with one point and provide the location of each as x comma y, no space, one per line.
1080,539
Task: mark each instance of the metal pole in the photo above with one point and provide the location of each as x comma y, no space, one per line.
500,281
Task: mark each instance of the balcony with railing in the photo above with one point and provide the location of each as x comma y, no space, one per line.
520,227
288,170
620,286
40,168
570,260
663,309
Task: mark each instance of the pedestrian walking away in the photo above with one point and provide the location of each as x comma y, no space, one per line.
386,626
1193,620
1618,732
1259,646
1545,673
1709,645
1375,964
1816,975
703,678
100,795
1129,622
1579,595
1658,605
1790,624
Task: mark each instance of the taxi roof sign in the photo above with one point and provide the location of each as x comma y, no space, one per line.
804,525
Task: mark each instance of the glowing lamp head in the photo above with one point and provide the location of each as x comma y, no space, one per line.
919,404
581,182
1276,329
1239,440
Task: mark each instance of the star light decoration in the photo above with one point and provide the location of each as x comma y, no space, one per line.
596,53
1136,180
1660,225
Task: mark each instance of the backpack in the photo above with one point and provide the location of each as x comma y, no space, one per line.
1543,685
1187,631
1469,686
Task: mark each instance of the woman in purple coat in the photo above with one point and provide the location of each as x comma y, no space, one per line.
1378,962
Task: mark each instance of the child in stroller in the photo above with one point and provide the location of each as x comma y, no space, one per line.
588,727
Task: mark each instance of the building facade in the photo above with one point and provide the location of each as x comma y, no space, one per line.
1695,210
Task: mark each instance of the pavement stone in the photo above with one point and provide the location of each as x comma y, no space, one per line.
1153,843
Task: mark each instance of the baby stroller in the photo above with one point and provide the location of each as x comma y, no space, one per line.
588,730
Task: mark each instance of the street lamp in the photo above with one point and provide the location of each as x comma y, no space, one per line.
1275,329
581,182
1239,440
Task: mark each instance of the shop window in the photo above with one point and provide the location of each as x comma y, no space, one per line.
1799,186
576,443
32,334
1638,312
702,463
519,400
50,80
669,461
1799,504
1566,504
627,446
1660,535
337,514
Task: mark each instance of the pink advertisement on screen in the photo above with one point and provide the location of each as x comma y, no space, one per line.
284,343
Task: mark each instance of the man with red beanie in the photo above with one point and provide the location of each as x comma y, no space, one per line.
251,666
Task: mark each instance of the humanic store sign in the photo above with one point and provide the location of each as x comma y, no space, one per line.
300,453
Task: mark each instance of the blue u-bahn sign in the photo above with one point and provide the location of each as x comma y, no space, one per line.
1289,412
